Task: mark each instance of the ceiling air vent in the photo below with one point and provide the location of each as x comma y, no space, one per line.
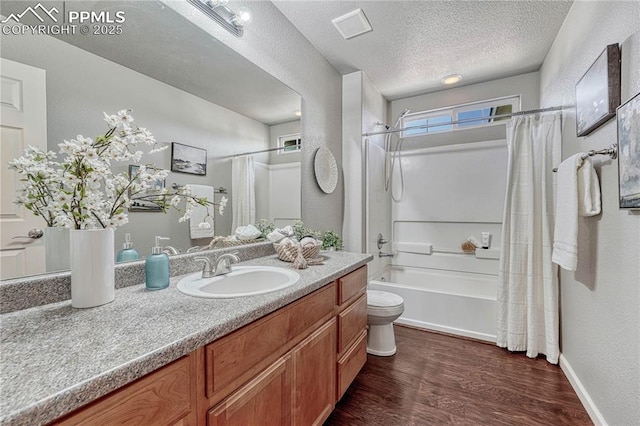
352,24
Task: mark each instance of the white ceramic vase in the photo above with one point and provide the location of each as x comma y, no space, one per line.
92,267
56,245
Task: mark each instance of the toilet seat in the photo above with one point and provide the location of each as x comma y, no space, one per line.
383,299
382,303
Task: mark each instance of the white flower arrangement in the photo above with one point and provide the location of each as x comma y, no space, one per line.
82,192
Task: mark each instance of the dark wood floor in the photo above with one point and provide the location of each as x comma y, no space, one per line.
436,379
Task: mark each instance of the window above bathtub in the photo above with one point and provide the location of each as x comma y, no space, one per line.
464,116
289,143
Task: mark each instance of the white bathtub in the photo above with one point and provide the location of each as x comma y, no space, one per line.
452,302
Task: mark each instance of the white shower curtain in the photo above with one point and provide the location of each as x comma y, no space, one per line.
528,281
243,198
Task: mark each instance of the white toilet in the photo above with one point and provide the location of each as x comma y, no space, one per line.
382,309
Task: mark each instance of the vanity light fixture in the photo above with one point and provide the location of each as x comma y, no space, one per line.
451,79
218,10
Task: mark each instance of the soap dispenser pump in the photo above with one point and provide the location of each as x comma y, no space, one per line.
128,252
156,267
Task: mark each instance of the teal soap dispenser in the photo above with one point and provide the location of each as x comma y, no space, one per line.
156,267
128,252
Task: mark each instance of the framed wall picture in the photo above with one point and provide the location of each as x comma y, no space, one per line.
139,205
188,159
598,92
629,153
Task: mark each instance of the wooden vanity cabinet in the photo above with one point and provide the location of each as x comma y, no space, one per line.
265,400
287,368
167,396
352,328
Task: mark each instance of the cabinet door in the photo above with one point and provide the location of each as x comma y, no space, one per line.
164,397
265,400
314,374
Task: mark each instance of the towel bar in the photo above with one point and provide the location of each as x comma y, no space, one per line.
612,152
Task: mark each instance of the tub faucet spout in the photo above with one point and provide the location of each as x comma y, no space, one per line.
381,254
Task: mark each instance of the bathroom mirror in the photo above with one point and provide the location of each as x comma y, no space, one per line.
325,169
181,84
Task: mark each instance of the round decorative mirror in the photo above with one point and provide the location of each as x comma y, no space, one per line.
326,169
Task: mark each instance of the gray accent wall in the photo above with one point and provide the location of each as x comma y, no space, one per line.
600,302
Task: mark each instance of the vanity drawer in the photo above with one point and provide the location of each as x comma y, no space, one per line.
233,359
165,396
350,364
352,284
351,322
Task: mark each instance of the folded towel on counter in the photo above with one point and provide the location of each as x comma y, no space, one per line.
578,195
201,222
278,234
248,232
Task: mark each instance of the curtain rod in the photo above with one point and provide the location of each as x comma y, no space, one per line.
467,120
258,152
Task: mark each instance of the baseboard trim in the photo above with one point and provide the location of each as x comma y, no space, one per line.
583,395
447,330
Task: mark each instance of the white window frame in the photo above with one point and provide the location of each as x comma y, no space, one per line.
454,111
285,138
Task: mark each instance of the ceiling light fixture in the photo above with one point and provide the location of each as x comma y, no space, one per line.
451,79
297,113
218,10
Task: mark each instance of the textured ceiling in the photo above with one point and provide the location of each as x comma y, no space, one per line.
415,43
160,43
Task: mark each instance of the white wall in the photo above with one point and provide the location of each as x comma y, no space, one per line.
353,226
600,302
275,45
450,194
80,86
278,193
454,182
367,205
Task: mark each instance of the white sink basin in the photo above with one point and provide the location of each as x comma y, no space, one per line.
241,281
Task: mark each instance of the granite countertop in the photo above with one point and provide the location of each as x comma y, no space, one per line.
55,358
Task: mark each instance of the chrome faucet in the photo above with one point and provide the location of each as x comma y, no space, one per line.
381,254
223,263
170,250
207,272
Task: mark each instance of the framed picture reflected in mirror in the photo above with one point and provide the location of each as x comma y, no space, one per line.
139,205
188,159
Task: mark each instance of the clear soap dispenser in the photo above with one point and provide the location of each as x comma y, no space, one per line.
156,267
128,252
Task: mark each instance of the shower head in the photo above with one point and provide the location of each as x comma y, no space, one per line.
402,115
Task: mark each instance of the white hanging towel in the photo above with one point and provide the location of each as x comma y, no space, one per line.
202,215
578,195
